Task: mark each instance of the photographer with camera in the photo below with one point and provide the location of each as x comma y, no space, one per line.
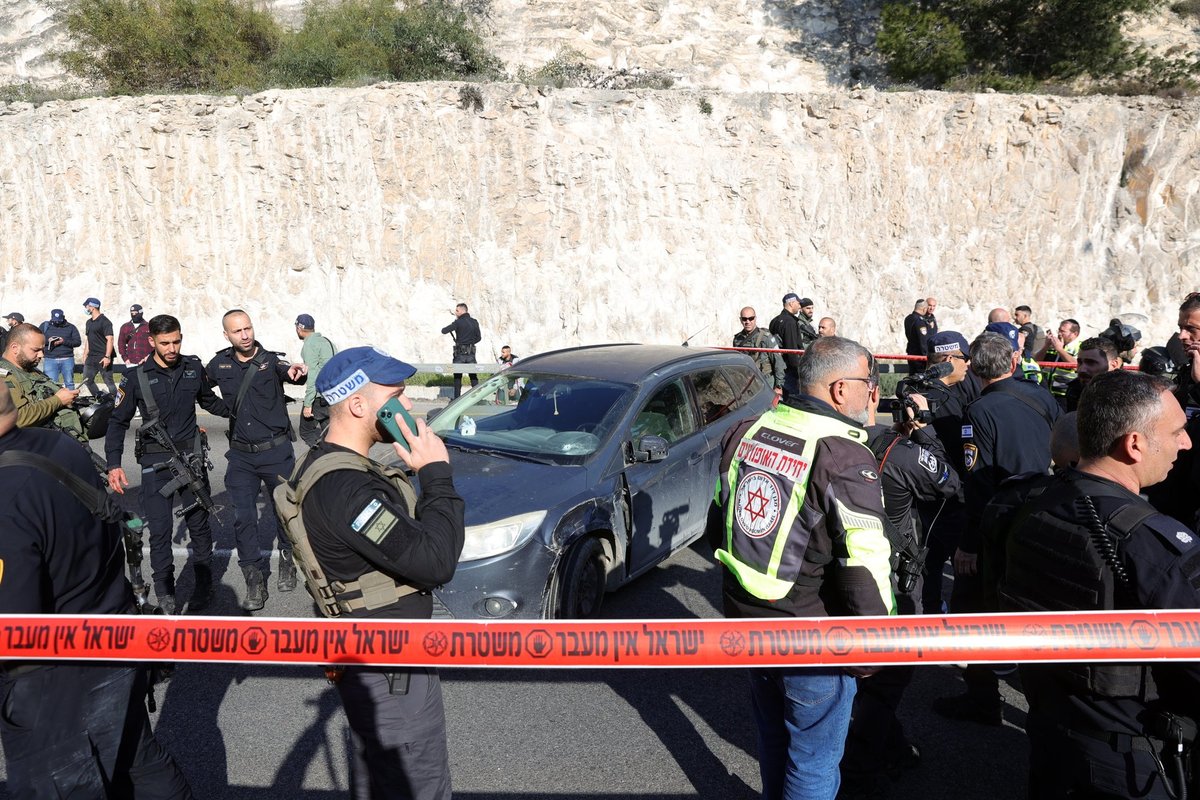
912,468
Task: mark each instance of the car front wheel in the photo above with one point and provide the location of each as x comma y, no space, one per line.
580,580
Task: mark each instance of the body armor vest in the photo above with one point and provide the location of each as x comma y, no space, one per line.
372,589
1078,578
37,386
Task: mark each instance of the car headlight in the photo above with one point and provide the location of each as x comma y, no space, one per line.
501,536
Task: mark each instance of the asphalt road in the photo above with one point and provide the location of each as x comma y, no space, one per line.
260,732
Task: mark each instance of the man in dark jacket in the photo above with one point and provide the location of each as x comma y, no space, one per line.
70,729
361,525
1179,495
785,327
58,361
133,340
916,331
803,536
1083,540
464,331
1006,432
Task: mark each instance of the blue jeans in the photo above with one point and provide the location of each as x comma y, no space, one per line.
60,370
803,716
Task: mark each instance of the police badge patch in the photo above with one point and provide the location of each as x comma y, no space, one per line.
970,454
927,460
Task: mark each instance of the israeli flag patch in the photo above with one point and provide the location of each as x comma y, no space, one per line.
967,432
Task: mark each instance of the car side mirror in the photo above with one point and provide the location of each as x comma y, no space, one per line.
432,413
650,449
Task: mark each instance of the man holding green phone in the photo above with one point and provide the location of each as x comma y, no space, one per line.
370,531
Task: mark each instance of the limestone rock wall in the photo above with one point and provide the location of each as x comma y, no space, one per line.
574,217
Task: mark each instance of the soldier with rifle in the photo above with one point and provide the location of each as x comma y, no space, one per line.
172,451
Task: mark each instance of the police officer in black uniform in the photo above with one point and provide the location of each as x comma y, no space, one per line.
1179,495
786,328
68,729
949,397
1005,432
359,525
260,449
913,467
1084,540
465,333
176,383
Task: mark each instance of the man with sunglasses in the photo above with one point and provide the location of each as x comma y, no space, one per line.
752,336
801,534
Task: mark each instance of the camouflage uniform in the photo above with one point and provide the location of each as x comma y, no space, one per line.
37,407
771,364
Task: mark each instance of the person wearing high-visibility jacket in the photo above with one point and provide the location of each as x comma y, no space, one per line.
798,525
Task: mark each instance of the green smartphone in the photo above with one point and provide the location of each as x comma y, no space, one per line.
388,415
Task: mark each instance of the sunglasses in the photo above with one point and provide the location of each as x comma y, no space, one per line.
747,319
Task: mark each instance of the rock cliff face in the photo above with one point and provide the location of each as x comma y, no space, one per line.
576,217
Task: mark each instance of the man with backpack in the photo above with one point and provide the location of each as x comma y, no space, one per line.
370,546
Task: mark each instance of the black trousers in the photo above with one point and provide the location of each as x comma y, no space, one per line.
92,368
246,473
162,522
81,730
464,356
1064,765
400,734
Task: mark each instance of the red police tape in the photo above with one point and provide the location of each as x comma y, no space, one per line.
1000,638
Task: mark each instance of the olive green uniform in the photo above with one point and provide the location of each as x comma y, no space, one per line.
37,407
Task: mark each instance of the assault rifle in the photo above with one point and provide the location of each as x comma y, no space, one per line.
188,470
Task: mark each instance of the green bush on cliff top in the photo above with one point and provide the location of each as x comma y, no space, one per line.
1011,44
138,46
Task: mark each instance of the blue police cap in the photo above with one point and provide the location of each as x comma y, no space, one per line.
1007,330
946,342
349,370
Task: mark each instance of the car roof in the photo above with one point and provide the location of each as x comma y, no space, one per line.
622,363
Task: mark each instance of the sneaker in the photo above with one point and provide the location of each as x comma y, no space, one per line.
965,708
166,602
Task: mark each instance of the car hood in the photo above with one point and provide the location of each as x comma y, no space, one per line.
495,487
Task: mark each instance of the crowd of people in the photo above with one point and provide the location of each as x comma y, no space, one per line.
1055,486
1048,475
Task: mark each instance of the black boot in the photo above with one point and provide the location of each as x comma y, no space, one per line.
164,592
286,581
203,591
256,589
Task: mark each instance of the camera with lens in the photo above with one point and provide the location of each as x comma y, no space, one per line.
1125,337
918,383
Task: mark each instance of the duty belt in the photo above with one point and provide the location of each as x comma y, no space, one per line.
153,448
259,447
1119,742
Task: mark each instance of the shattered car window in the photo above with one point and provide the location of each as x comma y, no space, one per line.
560,417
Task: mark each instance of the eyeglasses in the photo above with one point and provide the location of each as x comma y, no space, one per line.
747,319
959,356
871,381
